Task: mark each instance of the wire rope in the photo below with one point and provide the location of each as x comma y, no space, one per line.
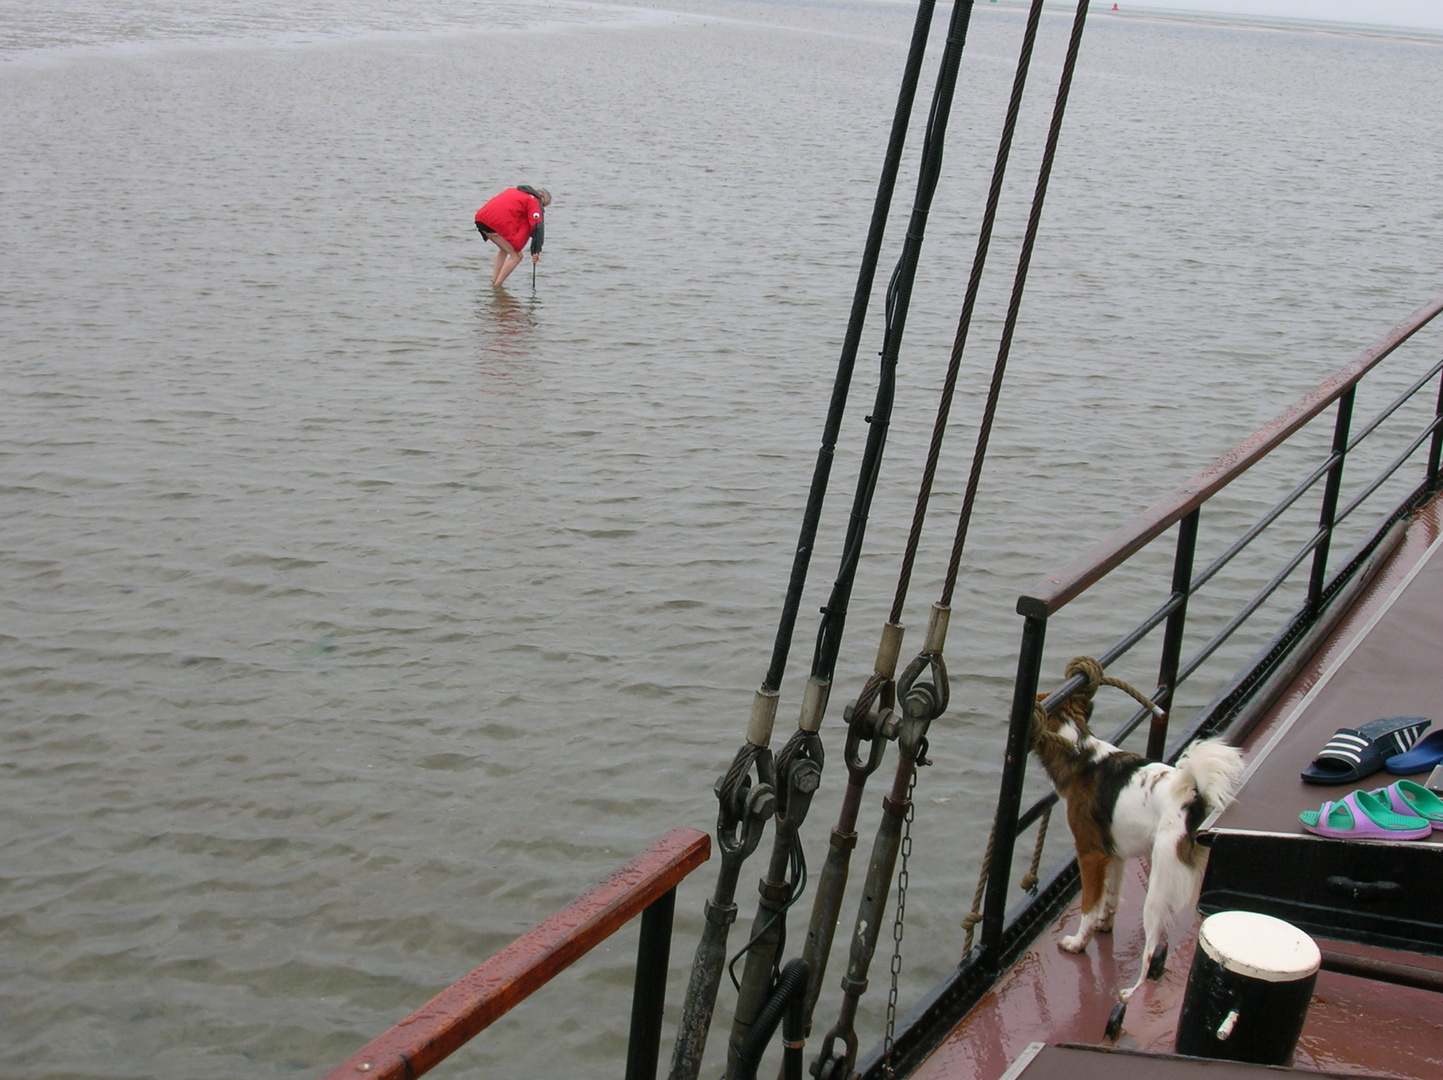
899,295
841,387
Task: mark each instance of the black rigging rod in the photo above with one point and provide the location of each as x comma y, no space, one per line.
841,387
762,959
777,894
899,298
743,816
925,701
864,723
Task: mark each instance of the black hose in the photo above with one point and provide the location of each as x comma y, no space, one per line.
788,995
794,1032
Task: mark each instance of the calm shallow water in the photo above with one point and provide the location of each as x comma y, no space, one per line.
355,616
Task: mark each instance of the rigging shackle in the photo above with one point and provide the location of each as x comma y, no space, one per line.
742,816
924,700
928,700
878,725
744,807
877,728
799,771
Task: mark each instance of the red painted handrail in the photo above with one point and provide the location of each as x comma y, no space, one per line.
469,1005
1053,592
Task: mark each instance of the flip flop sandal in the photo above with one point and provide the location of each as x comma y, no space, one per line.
1426,753
1361,816
1412,800
1354,753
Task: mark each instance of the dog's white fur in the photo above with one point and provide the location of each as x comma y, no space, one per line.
1154,814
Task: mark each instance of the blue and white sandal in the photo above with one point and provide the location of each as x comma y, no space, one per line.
1354,753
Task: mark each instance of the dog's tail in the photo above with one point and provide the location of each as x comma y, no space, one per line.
1214,769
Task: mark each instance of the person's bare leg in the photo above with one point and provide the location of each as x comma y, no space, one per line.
507,259
513,260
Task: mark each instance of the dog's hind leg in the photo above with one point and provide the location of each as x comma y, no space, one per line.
1094,869
1111,895
1171,887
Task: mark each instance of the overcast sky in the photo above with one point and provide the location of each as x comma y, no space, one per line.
1422,13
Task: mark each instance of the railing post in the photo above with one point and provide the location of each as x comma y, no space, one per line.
1014,768
1172,636
653,950
1435,451
1330,499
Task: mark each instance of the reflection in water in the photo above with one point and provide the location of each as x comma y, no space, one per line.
505,325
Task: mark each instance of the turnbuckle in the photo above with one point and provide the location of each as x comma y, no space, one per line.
834,1065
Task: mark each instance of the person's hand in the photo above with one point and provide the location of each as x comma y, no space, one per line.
536,256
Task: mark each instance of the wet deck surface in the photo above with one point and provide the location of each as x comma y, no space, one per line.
1393,670
1354,1026
1078,1063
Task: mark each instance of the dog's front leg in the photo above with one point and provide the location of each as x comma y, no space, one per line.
1093,866
1111,896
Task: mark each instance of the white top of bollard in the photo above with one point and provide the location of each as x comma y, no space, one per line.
1259,946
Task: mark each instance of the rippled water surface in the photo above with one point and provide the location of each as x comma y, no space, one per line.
355,615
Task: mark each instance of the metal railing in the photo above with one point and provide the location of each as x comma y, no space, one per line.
1005,934
645,886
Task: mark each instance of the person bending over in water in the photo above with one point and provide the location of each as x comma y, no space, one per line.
508,221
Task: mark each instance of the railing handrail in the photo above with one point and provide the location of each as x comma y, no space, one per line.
474,1002
1055,591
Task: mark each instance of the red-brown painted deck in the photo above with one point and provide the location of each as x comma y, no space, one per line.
1354,1026
1083,1063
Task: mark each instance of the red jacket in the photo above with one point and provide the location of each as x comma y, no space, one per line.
514,214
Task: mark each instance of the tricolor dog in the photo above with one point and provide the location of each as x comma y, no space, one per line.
1121,806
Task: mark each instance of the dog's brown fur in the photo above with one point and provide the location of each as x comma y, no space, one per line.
1068,769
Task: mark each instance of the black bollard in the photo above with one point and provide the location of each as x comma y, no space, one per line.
1249,988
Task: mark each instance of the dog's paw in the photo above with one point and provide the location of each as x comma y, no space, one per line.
1123,995
1073,943
1104,926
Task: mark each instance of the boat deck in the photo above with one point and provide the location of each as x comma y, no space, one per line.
1042,1062
1381,659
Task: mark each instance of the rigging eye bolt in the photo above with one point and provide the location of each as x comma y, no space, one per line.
738,837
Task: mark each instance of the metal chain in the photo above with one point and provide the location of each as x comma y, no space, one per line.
899,928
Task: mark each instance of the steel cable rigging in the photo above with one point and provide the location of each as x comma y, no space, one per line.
783,786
